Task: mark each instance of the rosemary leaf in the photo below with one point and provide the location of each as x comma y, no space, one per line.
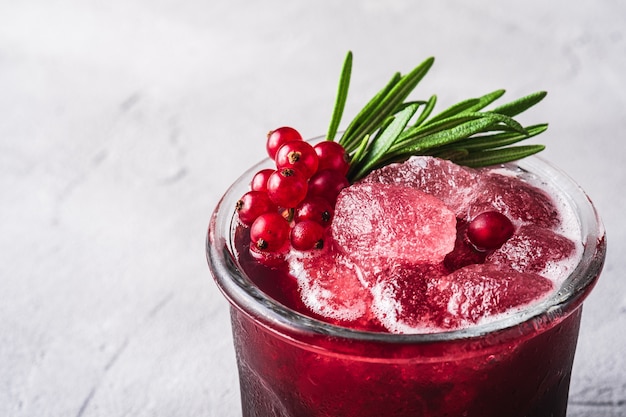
487,99
342,94
498,156
498,140
455,110
446,136
428,109
415,136
467,106
520,105
360,151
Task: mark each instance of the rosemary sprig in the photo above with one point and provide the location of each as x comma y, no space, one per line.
390,129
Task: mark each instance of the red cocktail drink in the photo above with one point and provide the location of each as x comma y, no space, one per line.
442,347
523,371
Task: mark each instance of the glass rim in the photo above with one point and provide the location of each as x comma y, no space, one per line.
244,295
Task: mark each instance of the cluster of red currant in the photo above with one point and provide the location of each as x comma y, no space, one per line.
294,203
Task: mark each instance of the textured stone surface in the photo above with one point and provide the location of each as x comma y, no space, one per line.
122,122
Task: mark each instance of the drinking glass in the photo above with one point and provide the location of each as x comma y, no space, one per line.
291,365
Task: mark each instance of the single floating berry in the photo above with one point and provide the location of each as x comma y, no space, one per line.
489,230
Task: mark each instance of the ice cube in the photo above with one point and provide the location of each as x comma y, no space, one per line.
534,249
374,220
402,299
477,292
329,284
522,202
453,184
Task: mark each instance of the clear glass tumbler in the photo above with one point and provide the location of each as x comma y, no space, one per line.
291,365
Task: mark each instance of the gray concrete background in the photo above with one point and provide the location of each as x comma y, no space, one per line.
122,123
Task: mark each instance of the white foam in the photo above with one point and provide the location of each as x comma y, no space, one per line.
569,227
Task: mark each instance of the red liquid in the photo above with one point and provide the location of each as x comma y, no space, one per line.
523,371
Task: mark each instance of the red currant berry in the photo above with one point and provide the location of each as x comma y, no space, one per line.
278,137
489,230
316,209
299,156
307,235
252,204
259,181
287,187
333,156
269,232
327,184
